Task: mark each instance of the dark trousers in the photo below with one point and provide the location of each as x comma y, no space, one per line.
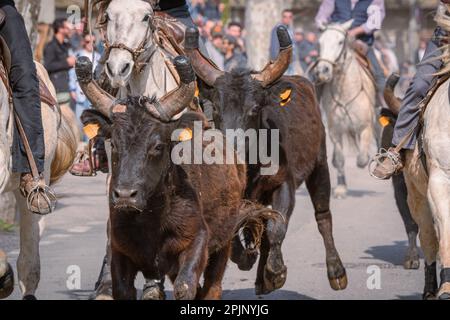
424,78
25,87
377,71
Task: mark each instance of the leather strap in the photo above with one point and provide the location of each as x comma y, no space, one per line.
31,161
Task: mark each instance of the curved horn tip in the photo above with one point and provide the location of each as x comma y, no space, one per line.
184,69
83,69
191,38
283,37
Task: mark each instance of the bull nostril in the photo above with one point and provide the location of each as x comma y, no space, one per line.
125,68
116,193
133,193
326,69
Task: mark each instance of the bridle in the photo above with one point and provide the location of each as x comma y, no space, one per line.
136,52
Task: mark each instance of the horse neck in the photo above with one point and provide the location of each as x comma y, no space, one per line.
155,79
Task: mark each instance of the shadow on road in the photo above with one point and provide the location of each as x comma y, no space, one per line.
249,294
393,254
350,193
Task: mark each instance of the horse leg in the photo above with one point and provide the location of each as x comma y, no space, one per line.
28,262
318,184
438,191
420,210
271,274
411,260
365,140
340,192
213,275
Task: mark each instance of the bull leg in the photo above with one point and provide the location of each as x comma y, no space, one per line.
123,273
411,260
28,262
365,140
340,192
192,263
318,184
272,271
213,275
421,213
438,191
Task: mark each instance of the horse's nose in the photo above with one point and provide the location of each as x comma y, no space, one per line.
326,70
125,194
118,69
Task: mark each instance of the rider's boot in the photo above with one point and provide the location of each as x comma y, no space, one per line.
387,163
40,198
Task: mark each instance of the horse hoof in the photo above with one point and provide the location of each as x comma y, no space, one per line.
275,273
153,293
412,261
340,192
7,282
29,297
103,291
429,296
444,291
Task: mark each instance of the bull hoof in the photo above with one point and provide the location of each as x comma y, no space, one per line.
153,293
7,282
429,296
29,297
275,273
247,259
183,291
340,192
412,260
337,275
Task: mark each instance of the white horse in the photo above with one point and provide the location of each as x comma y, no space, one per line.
348,98
60,149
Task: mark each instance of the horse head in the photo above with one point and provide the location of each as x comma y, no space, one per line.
127,28
332,42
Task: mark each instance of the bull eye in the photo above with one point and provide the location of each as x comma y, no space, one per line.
107,17
146,18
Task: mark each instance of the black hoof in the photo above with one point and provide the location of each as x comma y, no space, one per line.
337,275
275,273
29,297
412,260
7,283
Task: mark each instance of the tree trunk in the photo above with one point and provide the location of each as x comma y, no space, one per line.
260,18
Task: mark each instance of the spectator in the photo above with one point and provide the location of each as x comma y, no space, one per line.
81,102
287,21
214,47
76,38
234,29
57,60
309,50
421,51
233,58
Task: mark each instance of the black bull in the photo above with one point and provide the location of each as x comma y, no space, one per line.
267,100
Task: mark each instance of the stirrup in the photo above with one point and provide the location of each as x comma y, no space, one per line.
41,190
389,162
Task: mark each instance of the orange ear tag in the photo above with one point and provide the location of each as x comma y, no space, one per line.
285,97
91,130
185,135
384,121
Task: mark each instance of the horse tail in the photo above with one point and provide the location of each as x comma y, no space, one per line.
66,146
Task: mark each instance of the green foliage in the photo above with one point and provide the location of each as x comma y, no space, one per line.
8,227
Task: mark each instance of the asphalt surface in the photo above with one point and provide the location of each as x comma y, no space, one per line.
368,231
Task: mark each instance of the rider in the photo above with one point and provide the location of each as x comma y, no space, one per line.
368,16
24,84
408,117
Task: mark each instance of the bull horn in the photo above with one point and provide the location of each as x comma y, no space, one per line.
392,101
175,101
275,69
203,67
100,99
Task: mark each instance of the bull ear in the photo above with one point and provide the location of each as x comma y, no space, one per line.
96,124
184,127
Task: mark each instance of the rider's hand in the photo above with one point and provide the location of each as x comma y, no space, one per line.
71,61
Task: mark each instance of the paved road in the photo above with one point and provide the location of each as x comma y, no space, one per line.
367,228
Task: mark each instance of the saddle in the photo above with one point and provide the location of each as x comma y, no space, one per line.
361,49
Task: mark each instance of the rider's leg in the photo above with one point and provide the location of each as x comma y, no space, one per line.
409,112
378,73
25,87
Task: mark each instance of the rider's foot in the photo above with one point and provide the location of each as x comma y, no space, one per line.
386,163
40,198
